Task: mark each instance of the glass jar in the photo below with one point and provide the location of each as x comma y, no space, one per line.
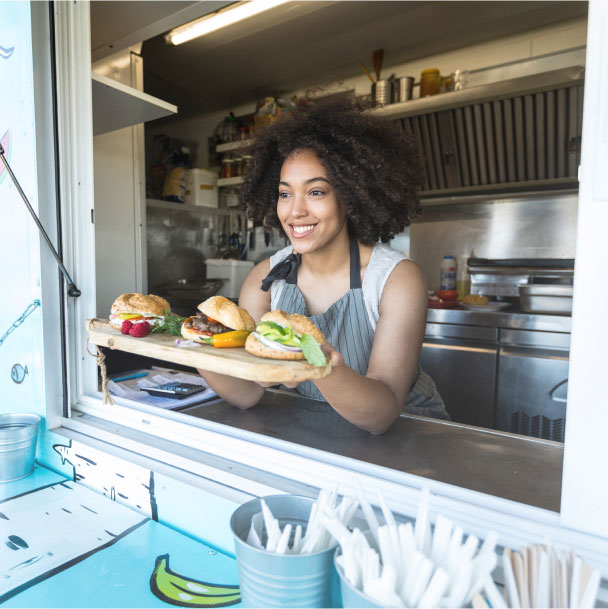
247,158
226,170
430,82
243,133
237,166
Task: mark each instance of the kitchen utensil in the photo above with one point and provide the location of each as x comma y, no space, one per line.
367,73
377,60
402,89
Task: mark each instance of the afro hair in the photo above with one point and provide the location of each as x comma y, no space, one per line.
372,163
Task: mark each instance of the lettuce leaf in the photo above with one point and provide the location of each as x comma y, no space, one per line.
312,350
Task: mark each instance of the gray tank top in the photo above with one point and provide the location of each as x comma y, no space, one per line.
349,323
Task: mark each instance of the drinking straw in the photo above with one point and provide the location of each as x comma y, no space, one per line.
588,598
494,596
435,590
283,541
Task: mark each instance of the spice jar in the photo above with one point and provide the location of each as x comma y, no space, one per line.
430,82
237,166
226,168
243,133
247,158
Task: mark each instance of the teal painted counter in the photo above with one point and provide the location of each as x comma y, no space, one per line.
64,545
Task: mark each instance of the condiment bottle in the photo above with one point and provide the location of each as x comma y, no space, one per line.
447,273
430,82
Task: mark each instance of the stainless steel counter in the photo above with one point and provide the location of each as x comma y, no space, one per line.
509,318
519,468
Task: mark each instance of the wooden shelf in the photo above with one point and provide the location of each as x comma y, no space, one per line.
229,146
116,106
195,209
230,181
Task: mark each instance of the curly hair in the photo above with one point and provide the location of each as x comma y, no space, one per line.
374,166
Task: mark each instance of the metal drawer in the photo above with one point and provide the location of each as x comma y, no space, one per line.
461,332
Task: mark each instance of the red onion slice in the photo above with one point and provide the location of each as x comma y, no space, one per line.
271,344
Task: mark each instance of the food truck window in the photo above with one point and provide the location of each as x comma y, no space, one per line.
85,380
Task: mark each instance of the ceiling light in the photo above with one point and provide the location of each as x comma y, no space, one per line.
220,19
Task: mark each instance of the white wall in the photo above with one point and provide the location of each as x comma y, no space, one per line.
567,35
120,216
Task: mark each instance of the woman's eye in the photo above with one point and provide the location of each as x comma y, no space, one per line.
283,195
317,193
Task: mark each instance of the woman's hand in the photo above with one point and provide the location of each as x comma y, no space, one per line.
334,357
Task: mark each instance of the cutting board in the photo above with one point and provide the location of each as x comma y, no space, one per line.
232,362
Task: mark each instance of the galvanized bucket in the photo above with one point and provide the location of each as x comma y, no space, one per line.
268,579
18,434
351,596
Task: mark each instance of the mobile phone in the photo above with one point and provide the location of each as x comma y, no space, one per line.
174,390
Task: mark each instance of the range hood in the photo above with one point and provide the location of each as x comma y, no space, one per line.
515,135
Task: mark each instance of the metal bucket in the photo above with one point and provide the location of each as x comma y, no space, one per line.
18,435
268,579
351,596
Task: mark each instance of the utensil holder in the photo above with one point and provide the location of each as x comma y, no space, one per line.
268,579
18,435
380,93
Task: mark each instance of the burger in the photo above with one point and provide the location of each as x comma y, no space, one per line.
287,336
215,316
138,308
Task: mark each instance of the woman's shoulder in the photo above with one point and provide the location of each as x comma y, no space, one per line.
280,255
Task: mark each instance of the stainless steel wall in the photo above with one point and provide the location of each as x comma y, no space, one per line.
538,226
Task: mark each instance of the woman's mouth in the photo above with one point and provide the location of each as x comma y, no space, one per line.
300,231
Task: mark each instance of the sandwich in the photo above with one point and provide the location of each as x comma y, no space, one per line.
287,336
137,308
216,315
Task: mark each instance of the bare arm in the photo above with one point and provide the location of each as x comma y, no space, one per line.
373,402
240,392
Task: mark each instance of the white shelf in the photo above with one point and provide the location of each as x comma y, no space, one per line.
116,106
196,209
228,146
230,181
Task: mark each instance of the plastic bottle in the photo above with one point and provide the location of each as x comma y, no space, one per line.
447,274
463,279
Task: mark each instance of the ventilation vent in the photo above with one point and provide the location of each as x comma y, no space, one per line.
538,426
528,140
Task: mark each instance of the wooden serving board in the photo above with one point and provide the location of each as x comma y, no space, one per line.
233,362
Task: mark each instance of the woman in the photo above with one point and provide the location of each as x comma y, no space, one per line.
338,180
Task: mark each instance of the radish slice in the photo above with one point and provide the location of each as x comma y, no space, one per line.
274,345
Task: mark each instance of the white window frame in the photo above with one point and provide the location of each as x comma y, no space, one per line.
583,520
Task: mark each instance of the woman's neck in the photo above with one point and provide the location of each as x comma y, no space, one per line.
333,257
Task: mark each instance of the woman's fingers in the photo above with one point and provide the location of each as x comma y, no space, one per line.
334,357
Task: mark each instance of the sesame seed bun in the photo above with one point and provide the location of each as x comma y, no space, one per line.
227,313
301,325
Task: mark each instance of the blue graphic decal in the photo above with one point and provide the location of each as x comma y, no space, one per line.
6,53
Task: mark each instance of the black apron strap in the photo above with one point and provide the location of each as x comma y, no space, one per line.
355,262
286,269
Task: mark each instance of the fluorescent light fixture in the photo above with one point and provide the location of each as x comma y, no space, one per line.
223,18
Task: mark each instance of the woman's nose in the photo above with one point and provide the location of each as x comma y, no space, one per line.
298,208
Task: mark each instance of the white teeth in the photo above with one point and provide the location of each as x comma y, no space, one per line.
302,229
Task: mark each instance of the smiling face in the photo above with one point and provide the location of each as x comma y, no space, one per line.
307,205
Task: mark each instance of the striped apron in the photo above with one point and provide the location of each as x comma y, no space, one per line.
347,327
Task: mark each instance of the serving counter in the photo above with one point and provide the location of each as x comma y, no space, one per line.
500,464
